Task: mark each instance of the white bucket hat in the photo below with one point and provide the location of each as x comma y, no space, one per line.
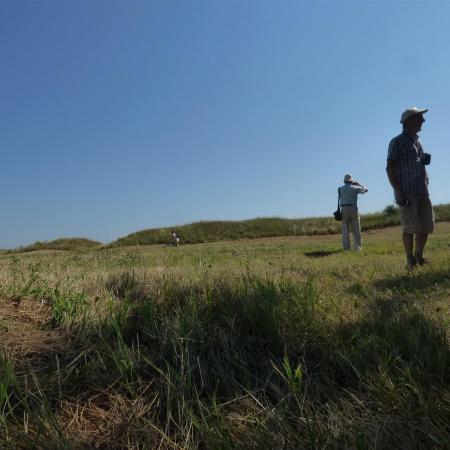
407,113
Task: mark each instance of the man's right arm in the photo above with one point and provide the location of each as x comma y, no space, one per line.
398,193
394,154
360,188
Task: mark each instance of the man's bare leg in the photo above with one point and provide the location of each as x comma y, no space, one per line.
421,240
408,244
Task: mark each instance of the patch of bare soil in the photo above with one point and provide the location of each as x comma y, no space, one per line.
25,334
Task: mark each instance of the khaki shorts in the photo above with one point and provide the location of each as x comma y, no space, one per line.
418,216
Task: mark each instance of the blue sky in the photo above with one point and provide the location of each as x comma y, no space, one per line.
116,116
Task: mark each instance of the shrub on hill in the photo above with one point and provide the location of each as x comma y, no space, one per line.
391,210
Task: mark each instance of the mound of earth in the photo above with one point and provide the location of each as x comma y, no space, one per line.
61,244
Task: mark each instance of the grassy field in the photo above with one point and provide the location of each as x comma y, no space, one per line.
273,343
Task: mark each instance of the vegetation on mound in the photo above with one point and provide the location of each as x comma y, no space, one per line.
60,244
214,231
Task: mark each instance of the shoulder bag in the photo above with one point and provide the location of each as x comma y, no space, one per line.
337,214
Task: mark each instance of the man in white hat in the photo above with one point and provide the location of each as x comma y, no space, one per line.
406,171
348,201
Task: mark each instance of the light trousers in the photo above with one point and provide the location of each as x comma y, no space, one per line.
350,218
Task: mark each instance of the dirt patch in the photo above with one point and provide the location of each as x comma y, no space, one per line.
25,334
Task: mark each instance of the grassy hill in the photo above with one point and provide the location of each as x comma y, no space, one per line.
214,231
60,244
223,230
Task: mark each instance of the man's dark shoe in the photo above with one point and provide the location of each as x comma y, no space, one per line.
411,262
421,261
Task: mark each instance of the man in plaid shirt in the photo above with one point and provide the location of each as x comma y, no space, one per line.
406,171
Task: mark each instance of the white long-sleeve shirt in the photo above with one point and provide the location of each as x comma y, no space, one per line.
348,194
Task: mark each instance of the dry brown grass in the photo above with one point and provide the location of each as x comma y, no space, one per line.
25,336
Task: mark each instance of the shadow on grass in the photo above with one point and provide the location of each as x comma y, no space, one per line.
216,353
417,280
321,253
395,329
397,360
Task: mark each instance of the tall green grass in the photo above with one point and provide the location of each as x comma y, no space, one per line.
251,364
255,346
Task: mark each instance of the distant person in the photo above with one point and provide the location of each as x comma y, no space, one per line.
175,240
348,201
406,171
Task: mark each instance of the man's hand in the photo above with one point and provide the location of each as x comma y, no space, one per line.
400,198
357,183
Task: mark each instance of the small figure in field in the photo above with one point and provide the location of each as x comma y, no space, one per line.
174,239
348,201
406,171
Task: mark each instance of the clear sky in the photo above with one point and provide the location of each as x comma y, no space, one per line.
116,116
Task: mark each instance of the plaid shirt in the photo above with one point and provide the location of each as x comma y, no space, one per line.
407,153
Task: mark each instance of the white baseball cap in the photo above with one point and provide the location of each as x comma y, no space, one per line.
407,113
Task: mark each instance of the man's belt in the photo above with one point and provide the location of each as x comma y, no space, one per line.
348,204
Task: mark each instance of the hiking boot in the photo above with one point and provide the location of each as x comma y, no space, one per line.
411,262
